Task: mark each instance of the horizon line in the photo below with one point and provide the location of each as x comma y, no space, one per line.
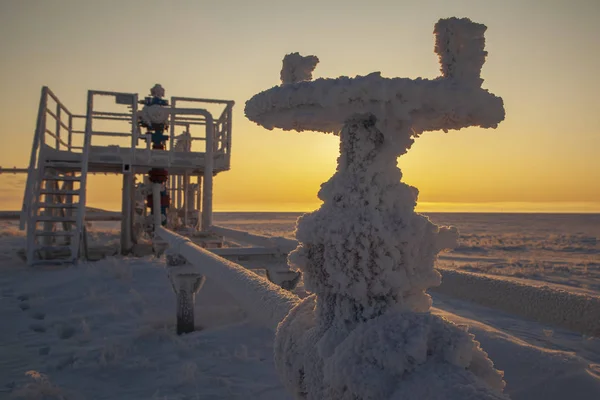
572,207
509,207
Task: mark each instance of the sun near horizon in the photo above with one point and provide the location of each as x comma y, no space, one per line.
543,61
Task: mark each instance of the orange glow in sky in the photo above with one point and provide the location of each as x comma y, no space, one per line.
544,58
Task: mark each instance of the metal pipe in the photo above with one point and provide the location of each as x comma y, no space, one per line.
113,118
13,170
115,134
262,300
177,201
106,93
170,187
190,99
70,133
57,139
111,114
156,187
190,119
229,126
199,202
58,102
186,198
208,177
134,129
126,213
172,130
57,116
186,123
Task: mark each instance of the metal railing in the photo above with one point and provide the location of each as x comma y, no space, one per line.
57,128
57,125
222,128
32,184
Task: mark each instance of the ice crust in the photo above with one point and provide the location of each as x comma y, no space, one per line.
452,101
369,259
297,68
367,333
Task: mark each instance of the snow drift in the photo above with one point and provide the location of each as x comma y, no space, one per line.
573,311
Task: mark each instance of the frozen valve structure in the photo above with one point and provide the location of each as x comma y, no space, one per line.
154,117
367,257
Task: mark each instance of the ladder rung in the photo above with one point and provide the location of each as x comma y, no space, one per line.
58,205
62,178
50,218
58,191
55,233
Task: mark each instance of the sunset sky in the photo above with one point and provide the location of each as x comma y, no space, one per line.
544,61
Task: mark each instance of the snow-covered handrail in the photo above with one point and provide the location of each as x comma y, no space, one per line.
264,301
209,158
280,243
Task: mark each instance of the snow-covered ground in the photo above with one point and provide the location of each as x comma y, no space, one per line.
105,330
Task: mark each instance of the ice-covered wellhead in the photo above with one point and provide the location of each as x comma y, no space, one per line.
367,257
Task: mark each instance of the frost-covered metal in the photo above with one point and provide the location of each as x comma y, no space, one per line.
366,332
186,282
403,107
66,146
264,301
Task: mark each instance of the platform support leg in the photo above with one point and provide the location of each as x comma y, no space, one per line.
199,202
186,283
207,196
156,188
127,214
186,198
179,192
207,202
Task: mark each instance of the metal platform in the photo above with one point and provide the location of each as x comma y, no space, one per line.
116,159
109,138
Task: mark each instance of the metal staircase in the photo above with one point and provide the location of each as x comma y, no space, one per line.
54,203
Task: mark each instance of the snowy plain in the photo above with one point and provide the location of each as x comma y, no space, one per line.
551,248
105,330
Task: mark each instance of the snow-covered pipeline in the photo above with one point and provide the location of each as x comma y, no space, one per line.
573,311
264,301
